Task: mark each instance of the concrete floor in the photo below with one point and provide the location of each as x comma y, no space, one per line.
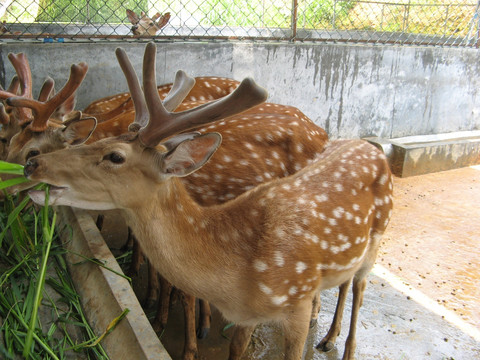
423,297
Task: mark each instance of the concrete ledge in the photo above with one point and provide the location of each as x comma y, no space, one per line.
103,293
417,155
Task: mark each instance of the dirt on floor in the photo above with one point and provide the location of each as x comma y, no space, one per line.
433,240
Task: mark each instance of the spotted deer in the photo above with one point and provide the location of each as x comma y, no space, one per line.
289,142
145,26
258,258
12,118
16,118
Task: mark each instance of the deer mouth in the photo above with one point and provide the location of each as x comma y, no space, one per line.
54,193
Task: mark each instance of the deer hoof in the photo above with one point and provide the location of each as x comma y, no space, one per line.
190,355
202,332
325,345
313,322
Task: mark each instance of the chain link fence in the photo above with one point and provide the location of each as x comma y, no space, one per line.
420,22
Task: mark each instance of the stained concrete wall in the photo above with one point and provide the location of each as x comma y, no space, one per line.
350,90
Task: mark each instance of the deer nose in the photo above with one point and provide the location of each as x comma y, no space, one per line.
30,167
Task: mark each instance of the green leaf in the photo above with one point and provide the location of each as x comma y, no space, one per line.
11,182
9,168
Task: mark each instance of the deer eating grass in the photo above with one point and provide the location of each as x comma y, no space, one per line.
289,141
258,258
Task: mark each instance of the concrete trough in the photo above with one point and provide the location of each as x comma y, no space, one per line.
418,155
104,293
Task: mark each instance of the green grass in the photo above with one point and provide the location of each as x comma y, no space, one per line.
34,279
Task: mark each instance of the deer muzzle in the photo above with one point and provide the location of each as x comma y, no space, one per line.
30,167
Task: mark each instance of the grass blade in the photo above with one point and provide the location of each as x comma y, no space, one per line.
11,182
48,237
10,168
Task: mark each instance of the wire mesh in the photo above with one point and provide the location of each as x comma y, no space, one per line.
422,22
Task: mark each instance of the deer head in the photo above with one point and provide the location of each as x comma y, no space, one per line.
145,26
163,124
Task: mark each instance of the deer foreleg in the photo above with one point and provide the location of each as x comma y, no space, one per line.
190,350
316,304
160,321
296,328
137,256
204,319
240,340
153,287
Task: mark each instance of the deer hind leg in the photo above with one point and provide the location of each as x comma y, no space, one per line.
190,350
240,340
160,321
204,319
328,342
358,290
296,327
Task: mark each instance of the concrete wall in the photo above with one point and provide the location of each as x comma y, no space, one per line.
350,90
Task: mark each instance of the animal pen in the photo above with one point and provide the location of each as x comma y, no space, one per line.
402,74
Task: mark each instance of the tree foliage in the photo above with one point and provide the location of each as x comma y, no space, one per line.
87,11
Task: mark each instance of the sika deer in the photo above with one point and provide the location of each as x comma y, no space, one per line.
289,142
16,118
316,229
145,26
12,118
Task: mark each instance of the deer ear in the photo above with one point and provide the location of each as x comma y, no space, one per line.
62,112
191,154
77,129
132,17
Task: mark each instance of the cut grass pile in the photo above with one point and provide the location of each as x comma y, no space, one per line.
40,312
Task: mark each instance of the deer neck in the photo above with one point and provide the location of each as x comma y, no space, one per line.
183,240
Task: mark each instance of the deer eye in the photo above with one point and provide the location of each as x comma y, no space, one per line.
32,153
115,158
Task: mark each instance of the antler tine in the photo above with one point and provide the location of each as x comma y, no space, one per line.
4,117
163,124
46,89
11,90
14,85
20,63
152,98
24,79
182,85
43,110
141,111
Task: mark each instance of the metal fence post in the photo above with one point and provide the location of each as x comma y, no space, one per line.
294,19
334,18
